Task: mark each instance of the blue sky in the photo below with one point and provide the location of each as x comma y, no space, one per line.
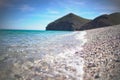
36,14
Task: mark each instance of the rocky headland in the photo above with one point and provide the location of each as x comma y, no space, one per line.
69,22
72,22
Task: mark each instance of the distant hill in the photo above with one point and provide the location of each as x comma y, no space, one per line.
72,22
69,22
102,21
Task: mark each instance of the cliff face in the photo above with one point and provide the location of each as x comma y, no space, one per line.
102,21
69,22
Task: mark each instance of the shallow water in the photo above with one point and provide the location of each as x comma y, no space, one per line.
40,55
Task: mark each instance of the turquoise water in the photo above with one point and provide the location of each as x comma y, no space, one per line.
29,42
20,50
17,36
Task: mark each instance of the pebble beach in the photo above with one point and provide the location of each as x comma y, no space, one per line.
101,54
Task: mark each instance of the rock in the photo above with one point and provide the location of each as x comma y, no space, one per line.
91,65
117,60
69,22
97,76
17,76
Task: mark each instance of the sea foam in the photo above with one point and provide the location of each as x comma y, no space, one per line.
42,55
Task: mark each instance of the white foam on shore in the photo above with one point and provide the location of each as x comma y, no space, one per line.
81,36
66,63
69,63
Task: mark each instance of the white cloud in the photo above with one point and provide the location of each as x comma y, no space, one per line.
71,3
25,8
101,13
80,3
52,11
105,8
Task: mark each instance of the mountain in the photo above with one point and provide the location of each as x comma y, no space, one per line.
73,22
69,22
102,21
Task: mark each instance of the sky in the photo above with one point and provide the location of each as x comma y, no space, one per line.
37,14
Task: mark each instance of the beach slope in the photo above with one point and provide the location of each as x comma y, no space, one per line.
102,54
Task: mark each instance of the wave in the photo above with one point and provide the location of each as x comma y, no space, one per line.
54,59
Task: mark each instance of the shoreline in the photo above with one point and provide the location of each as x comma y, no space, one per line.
81,55
60,63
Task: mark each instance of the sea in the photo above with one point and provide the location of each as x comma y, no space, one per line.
41,55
